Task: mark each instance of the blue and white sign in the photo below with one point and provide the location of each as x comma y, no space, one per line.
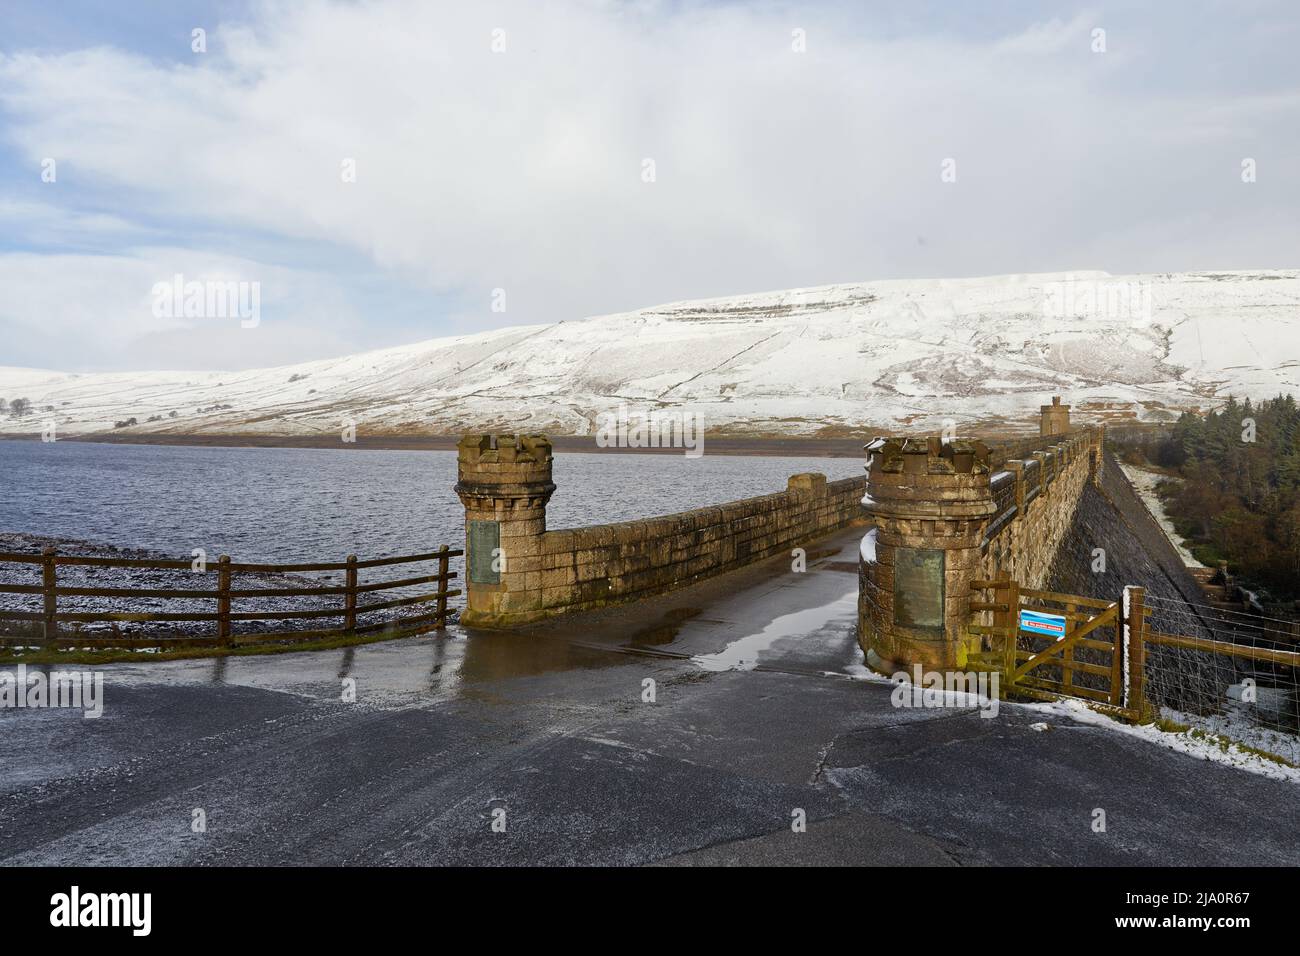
1049,625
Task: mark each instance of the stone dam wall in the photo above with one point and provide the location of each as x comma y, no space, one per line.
590,566
1038,498
945,513
505,482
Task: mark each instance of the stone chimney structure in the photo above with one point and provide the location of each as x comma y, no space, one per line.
1055,418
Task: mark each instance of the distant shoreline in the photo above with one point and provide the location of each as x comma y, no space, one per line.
790,447
772,446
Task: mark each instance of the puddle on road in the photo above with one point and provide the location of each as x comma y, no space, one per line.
666,632
744,654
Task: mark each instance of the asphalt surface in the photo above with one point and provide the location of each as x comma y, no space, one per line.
548,731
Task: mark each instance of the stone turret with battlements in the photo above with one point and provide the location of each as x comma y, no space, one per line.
947,524
504,482
930,502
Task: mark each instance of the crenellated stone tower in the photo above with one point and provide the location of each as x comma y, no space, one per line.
504,481
930,502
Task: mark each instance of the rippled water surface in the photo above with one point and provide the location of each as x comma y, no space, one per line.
308,504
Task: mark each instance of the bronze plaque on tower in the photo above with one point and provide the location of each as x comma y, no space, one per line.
484,542
918,588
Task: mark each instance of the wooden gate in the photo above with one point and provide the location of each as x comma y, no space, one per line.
1067,645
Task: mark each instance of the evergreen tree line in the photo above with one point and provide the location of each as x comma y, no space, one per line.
1239,497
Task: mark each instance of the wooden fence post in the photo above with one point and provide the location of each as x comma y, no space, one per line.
1067,659
444,569
1136,622
1117,688
1012,632
350,598
48,584
223,601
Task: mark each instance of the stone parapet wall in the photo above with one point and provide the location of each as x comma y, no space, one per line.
1006,450
596,565
1025,544
517,571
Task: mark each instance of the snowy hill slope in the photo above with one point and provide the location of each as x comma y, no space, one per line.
889,355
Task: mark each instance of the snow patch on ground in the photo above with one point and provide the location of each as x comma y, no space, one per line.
1144,481
1216,739
1202,748
1241,726
856,670
955,699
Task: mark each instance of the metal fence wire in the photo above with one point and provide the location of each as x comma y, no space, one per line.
1226,672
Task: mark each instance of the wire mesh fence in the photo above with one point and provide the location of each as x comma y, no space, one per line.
1226,672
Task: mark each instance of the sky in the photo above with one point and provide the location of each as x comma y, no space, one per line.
397,170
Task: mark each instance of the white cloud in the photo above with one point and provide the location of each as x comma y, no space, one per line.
45,222
1052,36
775,169
94,311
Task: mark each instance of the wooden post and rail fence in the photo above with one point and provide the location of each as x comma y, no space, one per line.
50,626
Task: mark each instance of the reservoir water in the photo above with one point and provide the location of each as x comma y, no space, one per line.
310,504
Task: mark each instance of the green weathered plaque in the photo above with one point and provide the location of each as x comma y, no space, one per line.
484,540
918,588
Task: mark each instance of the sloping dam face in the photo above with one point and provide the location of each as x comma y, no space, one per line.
1137,552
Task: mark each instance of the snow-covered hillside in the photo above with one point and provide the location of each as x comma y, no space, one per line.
844,359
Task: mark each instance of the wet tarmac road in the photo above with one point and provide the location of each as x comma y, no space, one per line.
754,717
